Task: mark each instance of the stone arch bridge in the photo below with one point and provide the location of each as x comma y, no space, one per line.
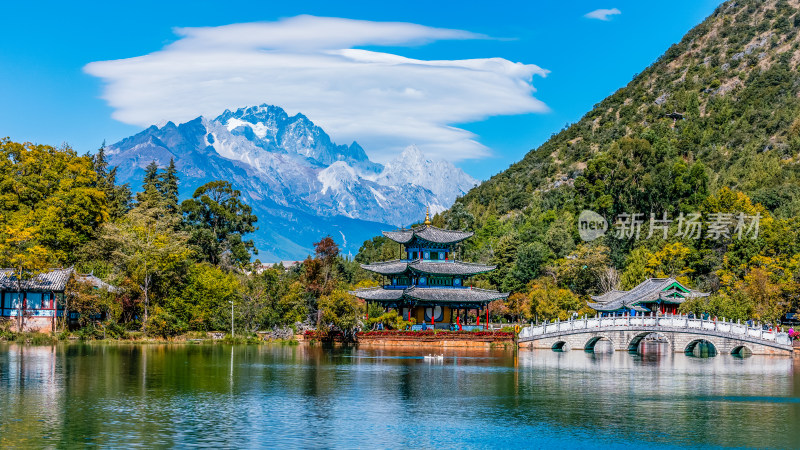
682,333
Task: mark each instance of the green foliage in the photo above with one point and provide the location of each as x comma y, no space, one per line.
91,303
530,261
50,204
218,219
548,301
204,300
163,324
391,320
340,311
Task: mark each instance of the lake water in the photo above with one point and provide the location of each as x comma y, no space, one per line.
156,396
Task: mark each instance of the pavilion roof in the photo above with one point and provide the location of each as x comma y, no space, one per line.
428,233
667,290
431,295
378,293
395,267
453,268
50,281
453,295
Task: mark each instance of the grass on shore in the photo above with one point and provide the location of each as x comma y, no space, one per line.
38,338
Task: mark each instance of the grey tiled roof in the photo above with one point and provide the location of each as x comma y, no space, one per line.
397,267
449,268
378,293
430,295
97,282
54,280
453,295
428,233
649,290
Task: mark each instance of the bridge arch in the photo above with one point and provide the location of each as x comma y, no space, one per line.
701,345
560,346
589,345
742,351
633,344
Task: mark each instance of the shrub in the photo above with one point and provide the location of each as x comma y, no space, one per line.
163,324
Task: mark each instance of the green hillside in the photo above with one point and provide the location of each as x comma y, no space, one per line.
712,126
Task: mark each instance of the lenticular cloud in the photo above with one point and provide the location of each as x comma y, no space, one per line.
311,65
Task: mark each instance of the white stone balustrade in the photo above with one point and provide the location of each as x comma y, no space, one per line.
673,323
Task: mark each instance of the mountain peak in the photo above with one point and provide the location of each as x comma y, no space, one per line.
412,154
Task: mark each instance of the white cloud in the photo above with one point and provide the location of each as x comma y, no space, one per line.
602,14
309,64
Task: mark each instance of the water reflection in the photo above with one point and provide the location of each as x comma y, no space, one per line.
300,396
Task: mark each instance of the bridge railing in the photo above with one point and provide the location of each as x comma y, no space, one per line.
733,329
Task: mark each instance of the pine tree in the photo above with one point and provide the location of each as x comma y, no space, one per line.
151,196
119,197
169,186
151,180
101,165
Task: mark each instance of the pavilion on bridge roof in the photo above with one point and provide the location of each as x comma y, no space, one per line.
654,295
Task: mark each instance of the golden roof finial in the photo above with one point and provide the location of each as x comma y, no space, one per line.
427,215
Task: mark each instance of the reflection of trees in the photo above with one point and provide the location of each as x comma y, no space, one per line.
162,395
694,400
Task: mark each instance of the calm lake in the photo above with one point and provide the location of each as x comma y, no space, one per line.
155,396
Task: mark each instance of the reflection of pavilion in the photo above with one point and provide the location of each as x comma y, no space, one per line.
428,284
654,295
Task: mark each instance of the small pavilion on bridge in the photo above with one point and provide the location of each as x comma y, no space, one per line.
654,296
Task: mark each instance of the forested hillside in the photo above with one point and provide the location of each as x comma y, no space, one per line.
713,126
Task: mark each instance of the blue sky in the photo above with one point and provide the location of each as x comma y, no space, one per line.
49,97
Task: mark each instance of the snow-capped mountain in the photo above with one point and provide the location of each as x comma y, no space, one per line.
301,185
442,178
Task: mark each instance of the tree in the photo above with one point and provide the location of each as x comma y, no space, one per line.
768,302
53,192
340,311
169,186
531,259
635,268
580,270
518,305
147,251
118,197
670,261
548,301
88,301
217,219
203,301
459,218
151,178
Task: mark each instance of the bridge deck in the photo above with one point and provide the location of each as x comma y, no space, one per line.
668,324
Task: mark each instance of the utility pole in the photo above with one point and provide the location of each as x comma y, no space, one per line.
231,318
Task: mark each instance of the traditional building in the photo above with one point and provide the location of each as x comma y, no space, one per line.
36,303
428,285
652,296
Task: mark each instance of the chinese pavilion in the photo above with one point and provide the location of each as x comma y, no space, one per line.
429,285
652,296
